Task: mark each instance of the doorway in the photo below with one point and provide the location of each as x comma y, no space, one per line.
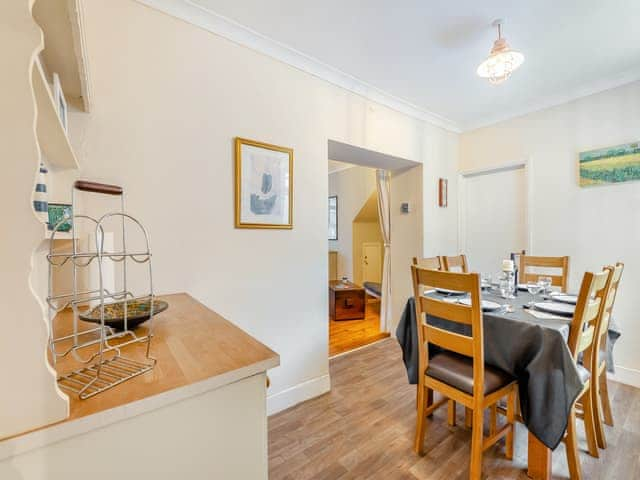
355,258
493,218
358,252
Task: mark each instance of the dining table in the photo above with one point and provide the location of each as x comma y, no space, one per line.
532,347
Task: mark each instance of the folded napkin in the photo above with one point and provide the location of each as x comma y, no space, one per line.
545,315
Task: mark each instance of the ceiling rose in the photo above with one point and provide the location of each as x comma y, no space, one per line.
502,60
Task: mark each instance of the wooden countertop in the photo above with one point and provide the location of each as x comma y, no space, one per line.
192,344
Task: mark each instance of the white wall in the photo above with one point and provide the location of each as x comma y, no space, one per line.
595,226
440,224
168,100
353,187
406,234
29,396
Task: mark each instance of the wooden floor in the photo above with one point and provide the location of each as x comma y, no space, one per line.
363,429
345,335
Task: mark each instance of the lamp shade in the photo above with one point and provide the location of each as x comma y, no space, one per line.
501,62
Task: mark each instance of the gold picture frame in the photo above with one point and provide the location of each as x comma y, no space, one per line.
264,185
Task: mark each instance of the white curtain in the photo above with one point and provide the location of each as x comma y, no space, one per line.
384,213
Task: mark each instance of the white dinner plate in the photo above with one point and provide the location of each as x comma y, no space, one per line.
445,291
564,298
487,305
563,309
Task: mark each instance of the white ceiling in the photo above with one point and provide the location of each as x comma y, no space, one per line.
426,51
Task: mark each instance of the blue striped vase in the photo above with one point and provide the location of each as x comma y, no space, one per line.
40,196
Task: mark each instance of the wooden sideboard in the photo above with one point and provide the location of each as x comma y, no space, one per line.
209,386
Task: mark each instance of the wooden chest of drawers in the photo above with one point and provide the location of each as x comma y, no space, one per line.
346,301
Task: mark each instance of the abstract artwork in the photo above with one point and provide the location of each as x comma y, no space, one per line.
264,185
610,165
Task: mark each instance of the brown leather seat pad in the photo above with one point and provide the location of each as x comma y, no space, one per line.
457,371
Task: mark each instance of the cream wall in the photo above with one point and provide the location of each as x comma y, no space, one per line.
595,226
407,233
29,395
440,224
353,187
168,100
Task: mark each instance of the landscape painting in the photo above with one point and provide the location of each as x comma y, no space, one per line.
610,165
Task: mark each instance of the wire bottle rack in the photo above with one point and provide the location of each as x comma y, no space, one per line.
98,350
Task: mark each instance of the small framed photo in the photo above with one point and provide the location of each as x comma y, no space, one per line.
443,193
57,213
264,185
61,102
333,217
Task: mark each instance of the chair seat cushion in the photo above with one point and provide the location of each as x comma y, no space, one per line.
374,289
457,371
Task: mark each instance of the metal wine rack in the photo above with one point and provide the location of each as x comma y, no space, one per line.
98,350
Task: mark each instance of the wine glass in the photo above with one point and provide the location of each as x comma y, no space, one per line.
485,280
534,288
545,282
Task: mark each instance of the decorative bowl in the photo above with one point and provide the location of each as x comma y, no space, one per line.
138,311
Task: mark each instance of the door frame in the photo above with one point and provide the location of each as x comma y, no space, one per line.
525,164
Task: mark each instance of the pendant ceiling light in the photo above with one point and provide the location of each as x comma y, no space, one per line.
502,60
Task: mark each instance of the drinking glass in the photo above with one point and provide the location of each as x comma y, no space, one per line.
545,282
534,288
485,280
505,288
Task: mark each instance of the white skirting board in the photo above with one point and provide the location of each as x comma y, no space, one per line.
628,376
297,394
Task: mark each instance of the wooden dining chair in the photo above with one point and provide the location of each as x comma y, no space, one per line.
456,263
588,313
430,263
598,360
459,372
557,280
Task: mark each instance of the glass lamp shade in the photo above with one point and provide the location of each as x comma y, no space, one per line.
502,61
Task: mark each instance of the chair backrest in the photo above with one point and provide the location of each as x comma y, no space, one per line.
469,346
607,307
430,263
557,280
456,263
588,313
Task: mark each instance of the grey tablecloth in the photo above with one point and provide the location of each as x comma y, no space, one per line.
532,350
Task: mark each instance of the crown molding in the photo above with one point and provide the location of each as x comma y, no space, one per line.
626,78
242,35
342,169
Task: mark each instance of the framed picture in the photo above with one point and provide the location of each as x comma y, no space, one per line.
610,165
443,185
61,102
264,185
57,212
333,217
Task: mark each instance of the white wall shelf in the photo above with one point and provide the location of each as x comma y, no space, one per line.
59,235
52,137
